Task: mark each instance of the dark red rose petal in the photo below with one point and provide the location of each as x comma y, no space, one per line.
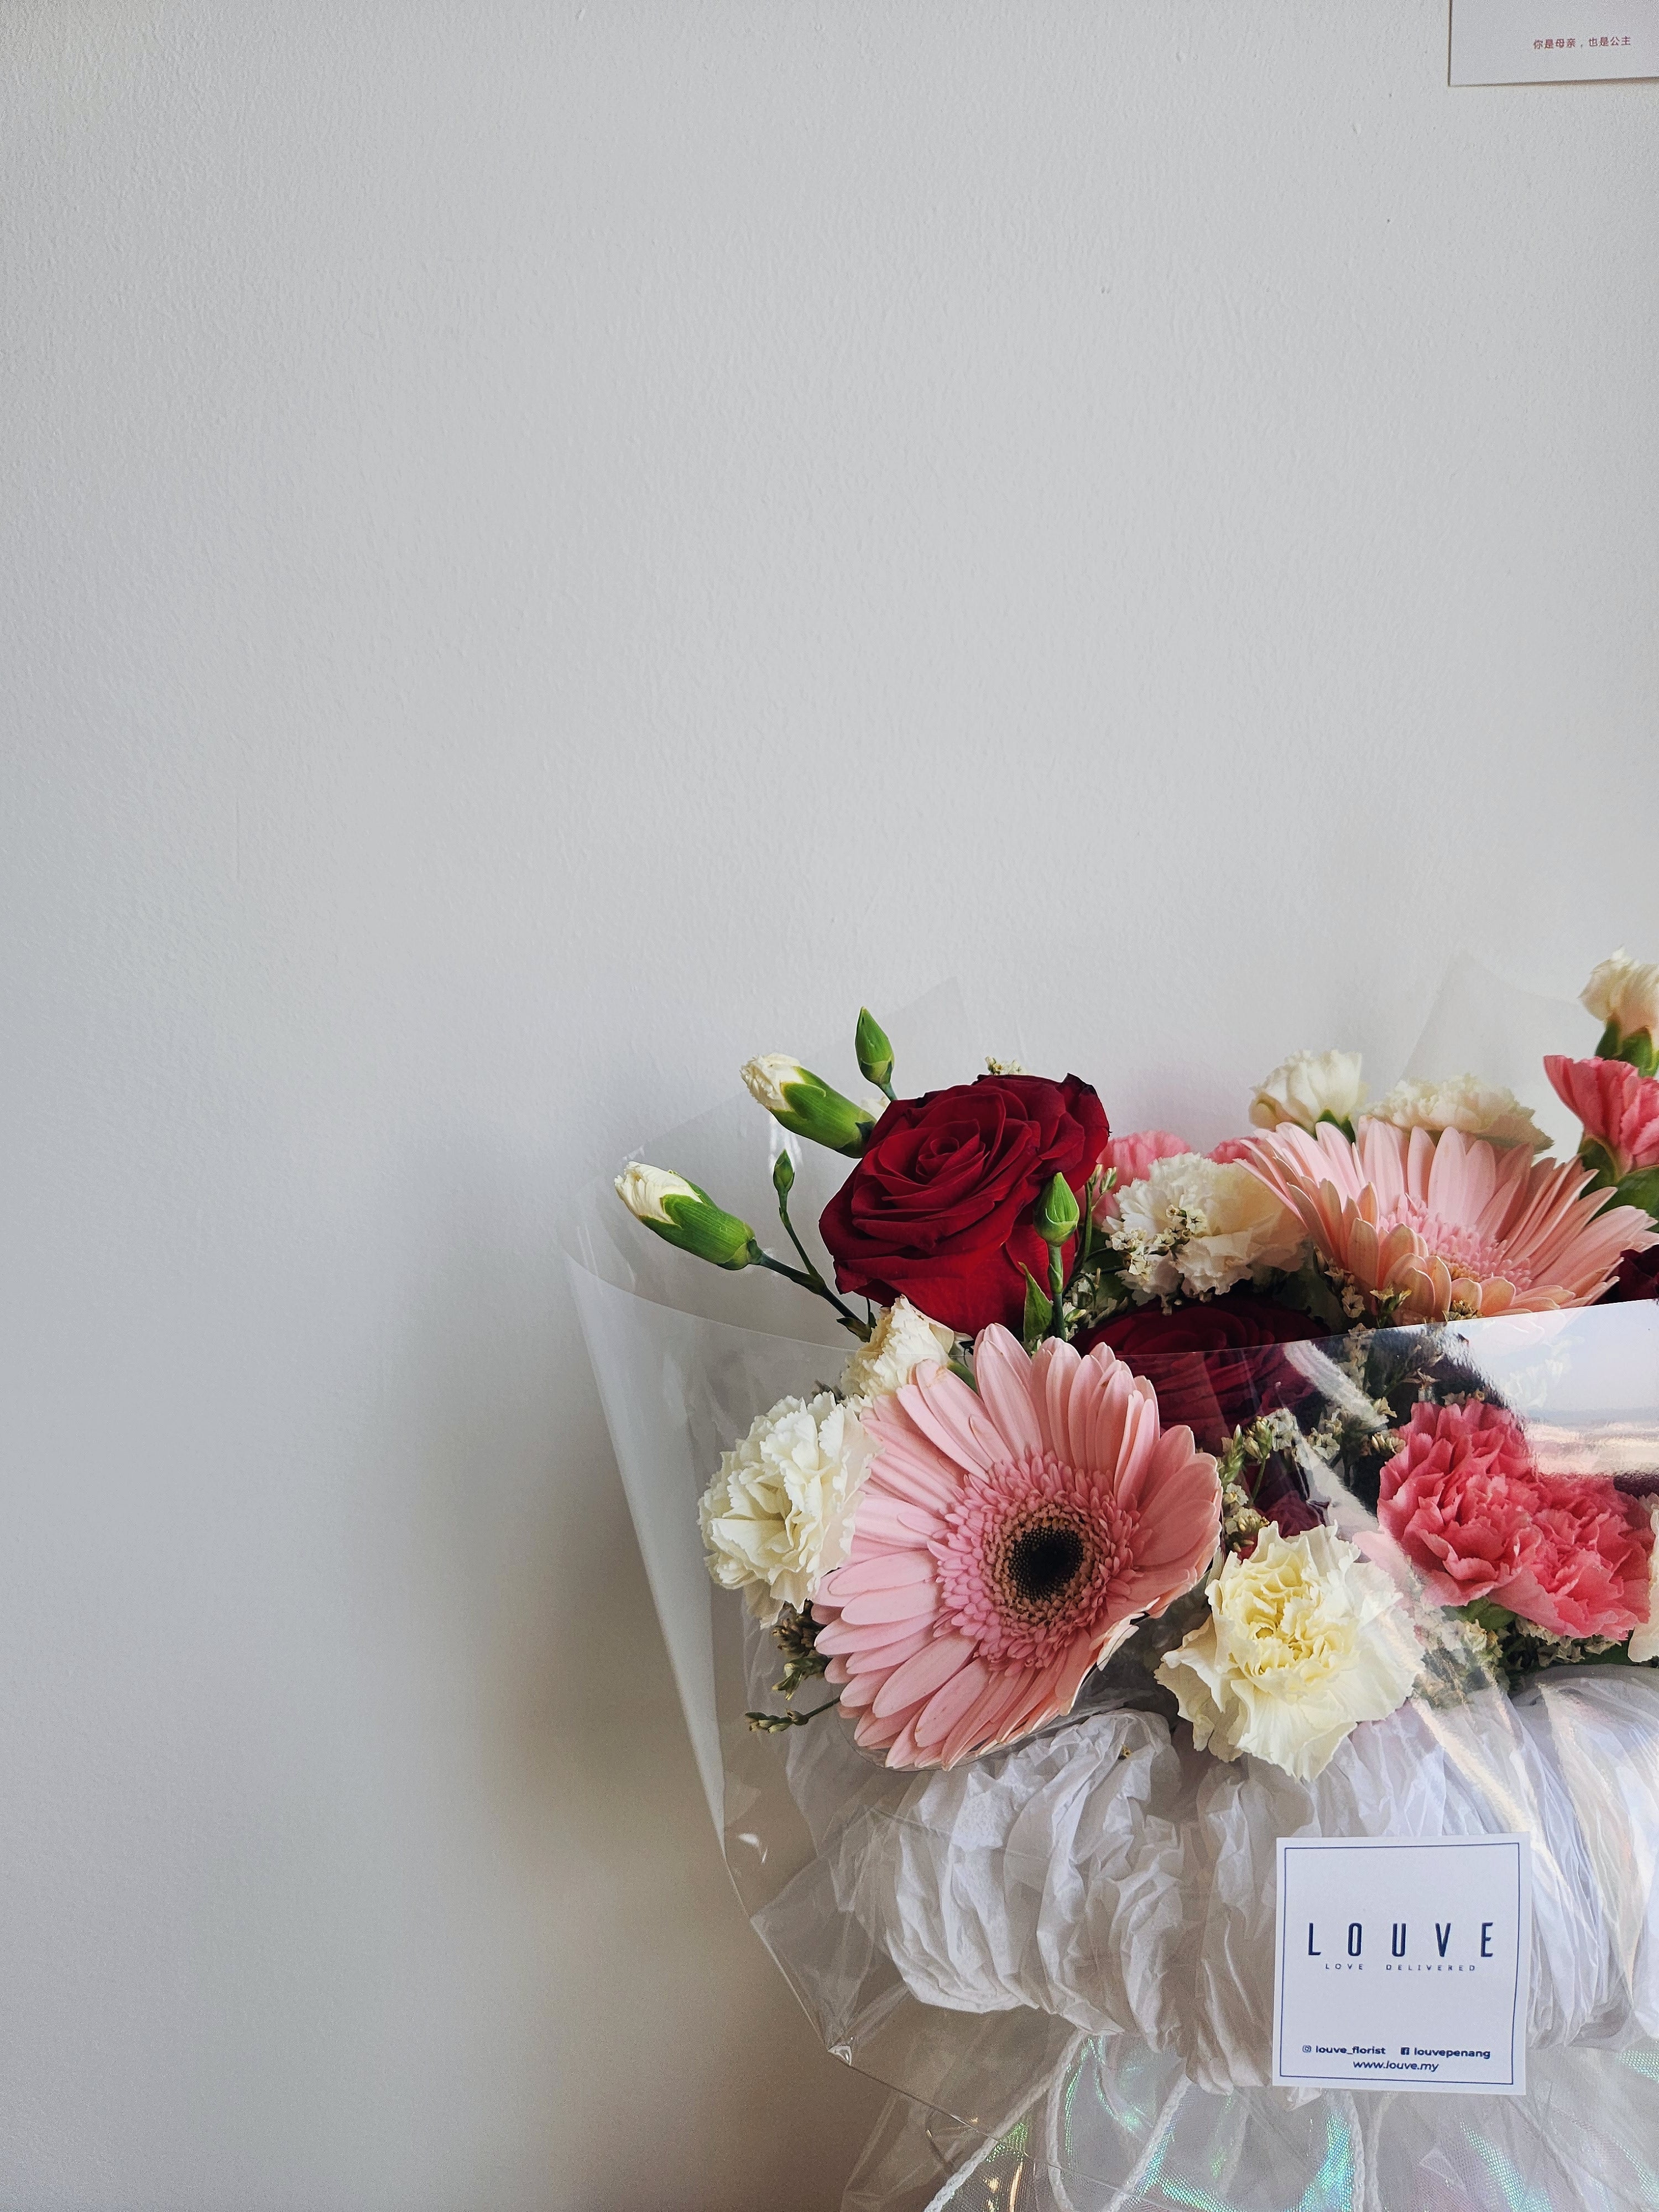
939,1207
1213,1366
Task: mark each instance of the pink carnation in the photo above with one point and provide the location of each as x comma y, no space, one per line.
1132,1156
1619,1107
1230,1151
1466,1501
1585,1571
1458,1498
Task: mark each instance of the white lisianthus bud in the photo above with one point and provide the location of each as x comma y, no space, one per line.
777,1515
1624,995
903,1339
1303,1641
1466,1103
1308,1088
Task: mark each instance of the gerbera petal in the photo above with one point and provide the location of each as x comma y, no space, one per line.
1003,1376
920,1676
917,1601
973,1600
880,1570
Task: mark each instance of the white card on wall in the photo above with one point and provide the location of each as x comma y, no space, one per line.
1552,41
1403,1963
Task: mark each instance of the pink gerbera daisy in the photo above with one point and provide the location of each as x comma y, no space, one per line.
1435,1226
1006,1540
1618,1106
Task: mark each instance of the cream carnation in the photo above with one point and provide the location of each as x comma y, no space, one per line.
1465,1103
903,1339
1303,1642
1198,1226
777,1515
1308,1088
1625,993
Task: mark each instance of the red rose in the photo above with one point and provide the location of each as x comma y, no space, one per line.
1213,1366
1638,1277
939,1207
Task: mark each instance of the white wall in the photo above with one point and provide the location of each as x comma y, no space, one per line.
546,548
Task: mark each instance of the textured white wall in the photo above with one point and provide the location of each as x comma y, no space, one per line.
545,548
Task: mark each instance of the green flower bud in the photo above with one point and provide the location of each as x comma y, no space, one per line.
1057,1214
783,1175
875,1053
681,1214
806,1105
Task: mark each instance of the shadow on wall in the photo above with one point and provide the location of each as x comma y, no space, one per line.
521,1556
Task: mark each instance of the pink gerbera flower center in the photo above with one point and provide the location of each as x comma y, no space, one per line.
1027,1559
1466,1251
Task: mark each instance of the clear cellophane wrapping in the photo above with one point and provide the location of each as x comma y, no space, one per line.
1061,1955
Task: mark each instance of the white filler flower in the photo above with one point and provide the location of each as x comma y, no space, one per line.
1198,1226
1466,1103
1625,993
1308,1087
903,1339
1302,1642
777,1515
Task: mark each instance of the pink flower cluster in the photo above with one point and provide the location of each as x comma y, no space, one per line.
1469,1506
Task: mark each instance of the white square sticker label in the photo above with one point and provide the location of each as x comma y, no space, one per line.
1403,1963
1552,41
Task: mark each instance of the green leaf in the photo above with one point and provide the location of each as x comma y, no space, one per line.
1638,1048
1641,1189
1598,1160
1039,1311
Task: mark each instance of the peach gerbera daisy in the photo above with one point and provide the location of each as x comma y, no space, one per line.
1007,1539
1430,1227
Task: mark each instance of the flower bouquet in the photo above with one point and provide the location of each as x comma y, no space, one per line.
1165,1505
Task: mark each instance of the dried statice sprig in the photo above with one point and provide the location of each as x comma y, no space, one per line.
795,1635
1239,1466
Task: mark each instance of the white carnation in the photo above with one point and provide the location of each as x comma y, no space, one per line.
766,1076
1625,993
642,1190
1199,1226
1464,1102
903,1339
777,1517
1303,1641
1307,1088
1644,1643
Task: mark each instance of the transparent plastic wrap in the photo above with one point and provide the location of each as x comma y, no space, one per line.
1061,1953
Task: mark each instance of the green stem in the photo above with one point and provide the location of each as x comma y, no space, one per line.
1056,1292
815,1284
789,1231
